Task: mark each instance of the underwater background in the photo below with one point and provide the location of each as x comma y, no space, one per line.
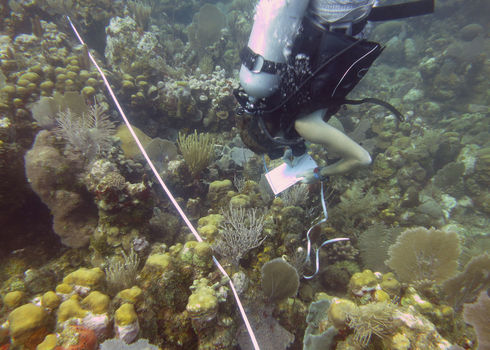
93,253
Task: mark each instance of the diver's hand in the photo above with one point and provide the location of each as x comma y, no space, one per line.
290,159
311,176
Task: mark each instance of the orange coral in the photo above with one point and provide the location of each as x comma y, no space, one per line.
35,338
78,338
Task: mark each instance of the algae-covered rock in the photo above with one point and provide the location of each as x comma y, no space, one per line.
336,276
482,166
54,179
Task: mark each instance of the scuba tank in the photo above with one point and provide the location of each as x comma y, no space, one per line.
276,24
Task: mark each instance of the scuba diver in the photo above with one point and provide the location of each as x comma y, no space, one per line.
302,59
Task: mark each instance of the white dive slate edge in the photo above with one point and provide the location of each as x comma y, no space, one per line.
284,176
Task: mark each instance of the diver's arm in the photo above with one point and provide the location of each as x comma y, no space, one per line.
313,129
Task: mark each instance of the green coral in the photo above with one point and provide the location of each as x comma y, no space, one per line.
362,282
197,150
197,254
203,301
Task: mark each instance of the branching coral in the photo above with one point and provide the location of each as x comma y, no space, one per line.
296,195
197,150
421,254
89,133
141,12
240,231
122,274
374,318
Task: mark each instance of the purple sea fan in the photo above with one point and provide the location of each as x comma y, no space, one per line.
89,133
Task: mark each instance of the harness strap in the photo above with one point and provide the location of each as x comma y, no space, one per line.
404,10
382,103
311,76
250,60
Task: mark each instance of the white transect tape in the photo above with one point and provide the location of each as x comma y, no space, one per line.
165,188
317,250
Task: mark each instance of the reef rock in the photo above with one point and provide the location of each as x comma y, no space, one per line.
53,178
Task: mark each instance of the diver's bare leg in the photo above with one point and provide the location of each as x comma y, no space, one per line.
313,129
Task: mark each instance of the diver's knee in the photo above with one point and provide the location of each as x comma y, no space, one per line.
365,158
302,127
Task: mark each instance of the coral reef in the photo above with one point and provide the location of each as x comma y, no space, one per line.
103,257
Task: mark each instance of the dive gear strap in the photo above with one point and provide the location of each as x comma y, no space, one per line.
336,62
258,64
403,10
